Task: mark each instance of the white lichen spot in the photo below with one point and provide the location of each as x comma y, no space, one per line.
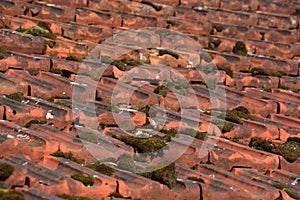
49,115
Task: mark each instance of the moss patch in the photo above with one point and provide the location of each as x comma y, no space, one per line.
278,73
102,168
34,122
166,175
286,188
142,145
15,96
236,114
148,109
225,126
3,50
121,64
161,90
257,71
126,162
240,49
290,150
74,58
68,156
5,171
42,29
288,88
213,43
227,69
86,179
11,195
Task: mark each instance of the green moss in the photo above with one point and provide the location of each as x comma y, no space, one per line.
102,168
278,73
42,29
289,150
225,126
236,114
288,88
194,133
165,175
257,71
50,43
169,52
5,171
169,133
261,144
6,194
28,125
74,58
240,49
86,179
126,162
71,197
194,178
120,65
213,43
286,188
3,50
65,104
266,88
149,109
68,156
227,69
56,71
142,145
161,90
15,96
294,139
131,62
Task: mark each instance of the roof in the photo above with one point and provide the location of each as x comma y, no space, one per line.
148,99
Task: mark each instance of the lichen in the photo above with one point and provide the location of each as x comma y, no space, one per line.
86,179
5,171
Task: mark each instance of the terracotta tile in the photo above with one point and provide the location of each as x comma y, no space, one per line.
23,43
